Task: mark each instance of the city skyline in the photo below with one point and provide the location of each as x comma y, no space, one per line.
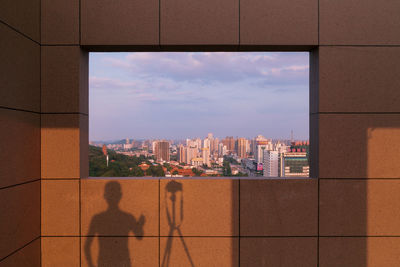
186,95
259,156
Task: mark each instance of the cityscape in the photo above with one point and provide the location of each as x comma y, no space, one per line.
199,114
208,157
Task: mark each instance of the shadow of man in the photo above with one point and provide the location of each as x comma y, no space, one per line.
113,251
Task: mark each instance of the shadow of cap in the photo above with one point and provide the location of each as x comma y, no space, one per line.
112,192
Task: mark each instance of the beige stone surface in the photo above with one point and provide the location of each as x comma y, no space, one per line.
282,252
20,216
23,15
60,251
206,22
210,207
119,22
60,22
359,79
284,22
20,71
63,88
359,22
60,208
203,251
64,146
139,197
279,207
120,251
359,145
359,251
26,256
20,146
359,208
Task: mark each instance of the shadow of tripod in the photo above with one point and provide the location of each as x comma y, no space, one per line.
173,187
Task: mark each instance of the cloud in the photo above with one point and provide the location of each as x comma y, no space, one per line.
209,68
197,92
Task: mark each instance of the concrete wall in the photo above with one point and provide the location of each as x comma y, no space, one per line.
346,217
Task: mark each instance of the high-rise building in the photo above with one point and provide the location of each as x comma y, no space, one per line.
281,148
229,142
191,153
214,148
242,148
255,140
162,150
271,163
206,156
260,148
295,164
181,153
207,143
210,138
198,143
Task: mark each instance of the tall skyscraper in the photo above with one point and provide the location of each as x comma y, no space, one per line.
206,156
162,150
191,153
255,143
271,163
198,143
260,148
181,154
229,142
242,148
207,143
214,148
210,138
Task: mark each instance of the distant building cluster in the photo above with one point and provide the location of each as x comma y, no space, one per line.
258,156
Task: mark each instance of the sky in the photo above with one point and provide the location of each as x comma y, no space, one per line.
162,95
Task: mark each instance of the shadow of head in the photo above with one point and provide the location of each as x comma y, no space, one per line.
112,193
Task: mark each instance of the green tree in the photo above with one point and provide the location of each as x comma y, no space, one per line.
197,172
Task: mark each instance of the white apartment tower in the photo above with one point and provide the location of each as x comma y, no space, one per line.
206,156
271,163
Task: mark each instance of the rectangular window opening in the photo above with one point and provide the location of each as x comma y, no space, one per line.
199,114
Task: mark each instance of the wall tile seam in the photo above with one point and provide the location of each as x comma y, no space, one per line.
318,217
40,133
19,184
358,45
205,236
15,251
21,110
318,16
228,237
60,179
159,222
50,45
44,113
356,113
18,31
64,113
359,236
357,179
198,48
80,222
102,236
